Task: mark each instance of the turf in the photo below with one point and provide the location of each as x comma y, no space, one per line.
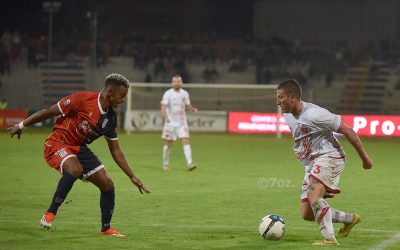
240,179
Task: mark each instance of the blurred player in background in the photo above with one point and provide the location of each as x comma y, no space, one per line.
318,149
173,109
82,118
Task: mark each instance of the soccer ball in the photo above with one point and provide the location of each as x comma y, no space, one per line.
272,227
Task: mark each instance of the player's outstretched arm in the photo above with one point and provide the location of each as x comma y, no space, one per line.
353,138
39,116
120,159
192,109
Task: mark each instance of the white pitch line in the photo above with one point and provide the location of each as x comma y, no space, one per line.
386,243
199,226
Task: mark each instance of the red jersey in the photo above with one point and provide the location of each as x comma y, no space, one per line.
83,120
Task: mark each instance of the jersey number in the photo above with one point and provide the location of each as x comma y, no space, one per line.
317,169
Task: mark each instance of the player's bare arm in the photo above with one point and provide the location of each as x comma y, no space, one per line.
39,116
164,113
192,109
353,138
120,159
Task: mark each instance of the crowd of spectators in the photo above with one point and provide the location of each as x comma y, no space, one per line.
161,55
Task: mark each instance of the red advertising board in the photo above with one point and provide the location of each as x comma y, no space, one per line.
369,125
9,117
374,125
245,122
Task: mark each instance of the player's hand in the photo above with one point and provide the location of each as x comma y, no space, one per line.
194,110
167,120
367,163
15,130
138,183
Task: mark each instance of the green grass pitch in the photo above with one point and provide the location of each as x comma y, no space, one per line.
240,179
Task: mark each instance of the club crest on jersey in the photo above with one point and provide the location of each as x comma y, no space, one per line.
62,152
104,123
67,102
83,128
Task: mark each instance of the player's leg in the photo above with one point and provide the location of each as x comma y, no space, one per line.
169,136
71,171
321,210
166,153
306,211
329,174
337,216
94,172
187,150
107,200
183,134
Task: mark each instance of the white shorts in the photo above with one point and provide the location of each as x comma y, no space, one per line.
325,170
171,132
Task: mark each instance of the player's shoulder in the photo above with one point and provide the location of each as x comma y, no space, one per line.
312,109
184,92
77,98
86,94
288,117
169,91
316,113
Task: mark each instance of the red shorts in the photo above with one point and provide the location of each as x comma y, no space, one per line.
56,153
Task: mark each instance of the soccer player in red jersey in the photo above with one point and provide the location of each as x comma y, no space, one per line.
82,118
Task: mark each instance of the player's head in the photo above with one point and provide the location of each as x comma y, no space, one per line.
116,80
288,95
177,82
116,88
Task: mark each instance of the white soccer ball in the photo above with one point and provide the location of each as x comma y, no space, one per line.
272,227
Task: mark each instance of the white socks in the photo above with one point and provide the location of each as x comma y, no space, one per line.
188,154
340,217
186,150
166,151
323,218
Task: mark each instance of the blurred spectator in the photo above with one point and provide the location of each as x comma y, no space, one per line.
210,74
147,78
4,61
165,54
328,79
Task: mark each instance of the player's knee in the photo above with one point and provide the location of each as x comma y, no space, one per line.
307,216
74,171
315,192
107,187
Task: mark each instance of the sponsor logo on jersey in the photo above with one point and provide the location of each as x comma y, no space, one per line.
62,152
83,128
104,123
67,102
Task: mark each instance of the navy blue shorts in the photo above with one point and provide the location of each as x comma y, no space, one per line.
91,164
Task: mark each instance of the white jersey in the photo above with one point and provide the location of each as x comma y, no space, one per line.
176,102
313,133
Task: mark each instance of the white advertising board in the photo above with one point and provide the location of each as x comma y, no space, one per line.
152,120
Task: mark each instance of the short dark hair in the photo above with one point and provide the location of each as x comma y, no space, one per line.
291,86
176,76
116,80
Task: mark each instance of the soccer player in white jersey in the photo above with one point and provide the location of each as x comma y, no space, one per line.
173,108
318,149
